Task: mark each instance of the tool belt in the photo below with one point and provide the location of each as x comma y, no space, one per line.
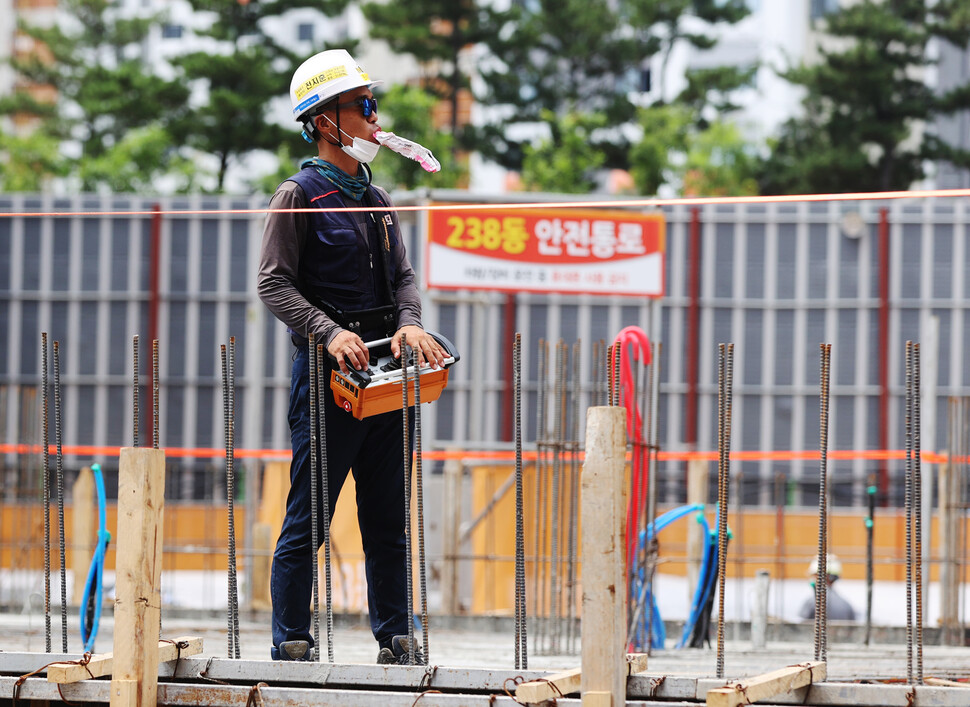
366,323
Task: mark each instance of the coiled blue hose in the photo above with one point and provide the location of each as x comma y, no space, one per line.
92,599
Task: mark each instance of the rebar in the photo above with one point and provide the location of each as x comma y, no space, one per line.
556,509
154,393
870,533
419,490
325,499
232,497
134,389
725,374
908,502
314,499
573,502
406,354
228,404
918,507
60,491
47,495
521,643
821,576
540,500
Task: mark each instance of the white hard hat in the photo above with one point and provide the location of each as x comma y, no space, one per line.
833,567
323,76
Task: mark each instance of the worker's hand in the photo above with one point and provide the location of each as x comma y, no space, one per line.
347,347
426,347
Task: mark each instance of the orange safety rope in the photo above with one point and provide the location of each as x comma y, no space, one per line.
611,203
86,450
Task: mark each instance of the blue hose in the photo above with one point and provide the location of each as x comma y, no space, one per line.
92,600
641,593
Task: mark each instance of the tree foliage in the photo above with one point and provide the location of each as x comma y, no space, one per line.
240,81
569,56
407,111
99,89
867,101
437,33
565,162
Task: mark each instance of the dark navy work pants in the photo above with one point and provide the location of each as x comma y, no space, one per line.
373,447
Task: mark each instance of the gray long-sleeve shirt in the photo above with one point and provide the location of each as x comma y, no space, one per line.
284,240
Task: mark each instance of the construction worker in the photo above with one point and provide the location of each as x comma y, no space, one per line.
837,608
345,277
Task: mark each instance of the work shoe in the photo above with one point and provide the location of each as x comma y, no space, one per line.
397,654
295,650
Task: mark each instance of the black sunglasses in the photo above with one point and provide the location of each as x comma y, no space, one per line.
367,105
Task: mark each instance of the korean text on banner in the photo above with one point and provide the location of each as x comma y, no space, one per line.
547,250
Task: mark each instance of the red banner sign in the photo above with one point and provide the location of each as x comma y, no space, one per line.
547,250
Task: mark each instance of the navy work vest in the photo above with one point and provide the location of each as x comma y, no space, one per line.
341,267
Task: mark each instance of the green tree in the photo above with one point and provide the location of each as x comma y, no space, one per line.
665,136
406,111
567,161
437,33
692,159
867,101
101,88
29,162
586,56
240,81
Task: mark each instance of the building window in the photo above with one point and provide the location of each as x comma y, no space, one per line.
171,31
304,32
821,8
645,82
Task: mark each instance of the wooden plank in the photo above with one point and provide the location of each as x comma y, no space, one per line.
777,682
943,682
102,663
603,510
138,570
569,681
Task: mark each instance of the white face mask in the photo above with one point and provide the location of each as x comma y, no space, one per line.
360,150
